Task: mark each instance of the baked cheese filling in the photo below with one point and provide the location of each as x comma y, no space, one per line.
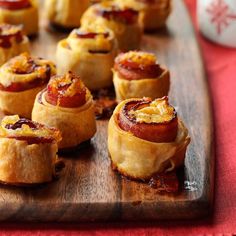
24,69
10,34
154,121
91,39
113,12
24,129
136,65
158,111
140,58
67,91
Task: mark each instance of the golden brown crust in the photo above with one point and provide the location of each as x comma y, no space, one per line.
18,128
13,42
76,124
91,58
21,163
27,151
135,65
153,15
20,103
28,17
128,35
21,78
66,13
147,87
140,159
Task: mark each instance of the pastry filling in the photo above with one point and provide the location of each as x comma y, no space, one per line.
154,121
23,129
10,33
25,72
25,64
136,65
66,91
148,1
112,12
90,35
15,4
96,40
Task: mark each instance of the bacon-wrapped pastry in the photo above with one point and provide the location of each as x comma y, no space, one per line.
146,137
122,21
18,12
27,151
137,74
65,13
12,42
67,105
21,78
152,13
89,53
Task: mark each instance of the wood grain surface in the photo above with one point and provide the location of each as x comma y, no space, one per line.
89,190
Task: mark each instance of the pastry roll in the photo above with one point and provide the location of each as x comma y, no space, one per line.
152,13
12,42
18,12
27,151
67,105
97,1
122,21
21,78
146,137
89,53
137,74
65,13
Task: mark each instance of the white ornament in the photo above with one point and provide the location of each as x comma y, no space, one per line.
217,20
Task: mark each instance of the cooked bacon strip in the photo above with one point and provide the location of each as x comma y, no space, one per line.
18,87
8,32
23,129
24,64
136,65
21,122
66,91
86,34
154,121
113,12
90,35
14,4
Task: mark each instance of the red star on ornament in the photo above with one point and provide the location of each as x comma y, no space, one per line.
221,15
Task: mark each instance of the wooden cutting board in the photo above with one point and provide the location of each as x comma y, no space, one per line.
89,190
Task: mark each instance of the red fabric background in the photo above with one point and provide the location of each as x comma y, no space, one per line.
220,65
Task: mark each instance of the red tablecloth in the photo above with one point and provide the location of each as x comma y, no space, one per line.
220,64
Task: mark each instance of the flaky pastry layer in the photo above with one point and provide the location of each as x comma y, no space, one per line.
14,50
153,18
93,68
140,159
128,36
66,13
9,76
76,124
21,163
28,17
148,87
20,103
151,15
